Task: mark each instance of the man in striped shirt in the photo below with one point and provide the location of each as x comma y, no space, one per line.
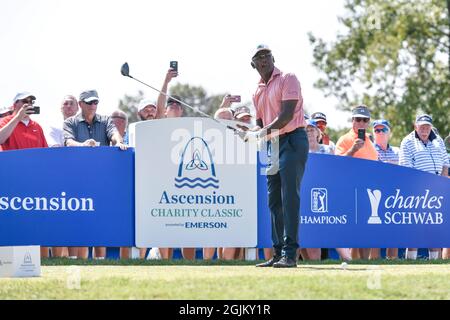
422,149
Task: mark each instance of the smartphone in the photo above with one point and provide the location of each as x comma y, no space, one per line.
235,98
362,134
35,110
174,65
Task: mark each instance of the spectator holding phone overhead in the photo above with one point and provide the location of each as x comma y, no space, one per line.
18,131
356,143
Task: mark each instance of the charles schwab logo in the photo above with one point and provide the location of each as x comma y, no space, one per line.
404,209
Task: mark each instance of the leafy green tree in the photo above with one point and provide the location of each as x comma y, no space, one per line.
197,97
393,56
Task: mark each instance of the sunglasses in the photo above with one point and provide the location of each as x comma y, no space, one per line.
262,56
91,102
362,119
384,130
29,101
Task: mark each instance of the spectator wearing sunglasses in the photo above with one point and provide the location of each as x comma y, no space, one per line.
18,131
388,154
382,133
423,150
89,129
351,146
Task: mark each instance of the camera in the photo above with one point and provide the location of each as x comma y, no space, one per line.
362,134
235,98
174,65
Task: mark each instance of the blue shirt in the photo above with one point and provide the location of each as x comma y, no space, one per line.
430,157
101,130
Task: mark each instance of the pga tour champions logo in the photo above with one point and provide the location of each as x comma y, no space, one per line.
319,204
319,200
405,209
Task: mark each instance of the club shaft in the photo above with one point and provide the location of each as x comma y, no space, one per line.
181,102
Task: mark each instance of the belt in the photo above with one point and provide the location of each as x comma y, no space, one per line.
291,132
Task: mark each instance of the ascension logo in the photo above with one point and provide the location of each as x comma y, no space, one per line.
27,258
196,168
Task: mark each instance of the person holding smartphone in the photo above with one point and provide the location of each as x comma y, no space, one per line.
18,131
357,143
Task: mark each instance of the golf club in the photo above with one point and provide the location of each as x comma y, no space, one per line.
125,71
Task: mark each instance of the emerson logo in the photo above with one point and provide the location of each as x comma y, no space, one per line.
400,209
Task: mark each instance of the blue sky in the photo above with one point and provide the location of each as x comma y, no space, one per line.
54,48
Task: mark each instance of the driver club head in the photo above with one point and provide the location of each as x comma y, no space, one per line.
125,70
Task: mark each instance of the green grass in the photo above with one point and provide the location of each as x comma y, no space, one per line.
137,279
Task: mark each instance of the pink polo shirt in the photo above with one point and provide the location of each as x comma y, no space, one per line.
267,99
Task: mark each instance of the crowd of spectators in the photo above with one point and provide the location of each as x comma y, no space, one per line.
422,149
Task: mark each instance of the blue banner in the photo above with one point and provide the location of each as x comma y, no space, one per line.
67,197
349,202
85,197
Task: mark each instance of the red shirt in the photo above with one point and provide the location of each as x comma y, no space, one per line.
23,137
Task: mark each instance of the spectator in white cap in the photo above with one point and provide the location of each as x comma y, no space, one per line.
147,110
19,131
422,149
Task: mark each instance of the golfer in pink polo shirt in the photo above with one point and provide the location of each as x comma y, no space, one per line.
279,113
